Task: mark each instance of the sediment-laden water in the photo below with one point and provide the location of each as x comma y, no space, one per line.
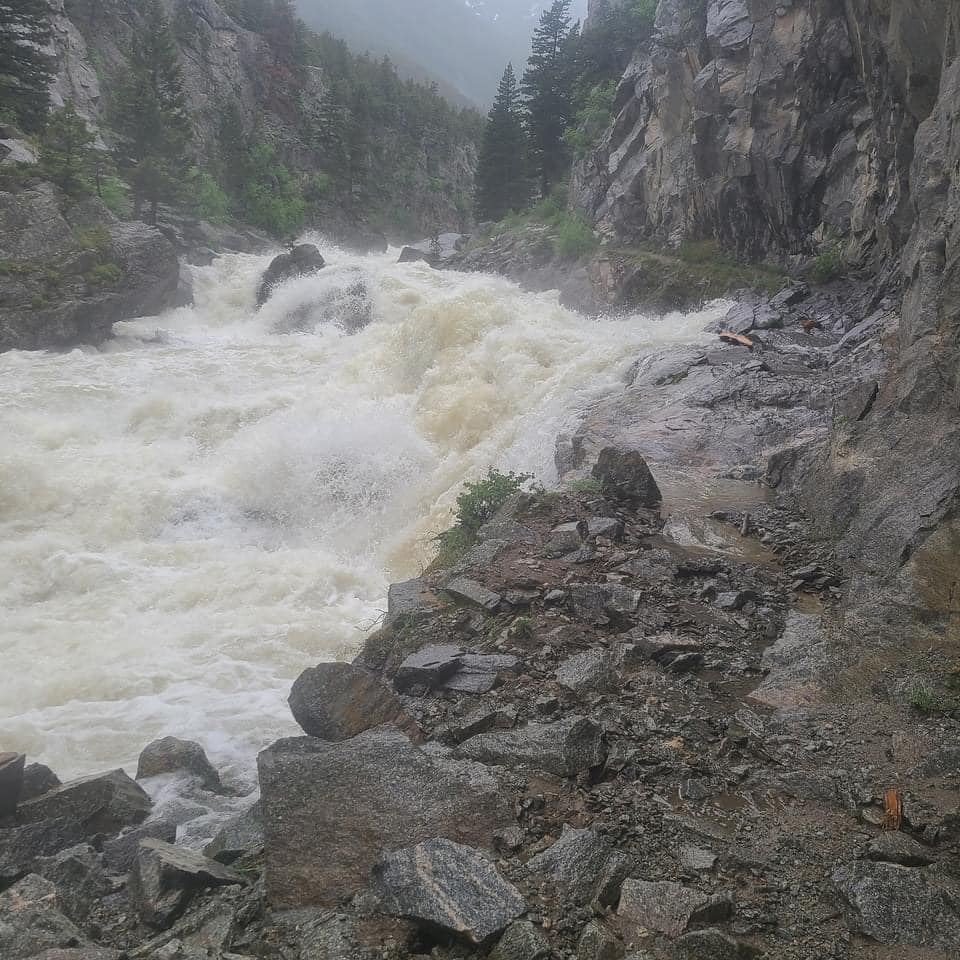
220,497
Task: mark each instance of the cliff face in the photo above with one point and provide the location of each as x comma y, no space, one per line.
779,127
223,63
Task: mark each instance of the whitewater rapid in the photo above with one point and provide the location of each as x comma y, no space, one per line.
197,511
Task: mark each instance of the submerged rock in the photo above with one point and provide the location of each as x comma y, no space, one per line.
448,885
303,260
172,755
331,810
336,701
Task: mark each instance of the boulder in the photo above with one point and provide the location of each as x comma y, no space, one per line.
521,941
336,701
331,810
103,804
172,755
239,837
78,875
601,603
303,260
590,672
899,906
20,846
104,271
607,527
624,475
564,539
165,879
449,886
38,779
31,920
576,864
668,908
11,782
120,854
564,748
469,591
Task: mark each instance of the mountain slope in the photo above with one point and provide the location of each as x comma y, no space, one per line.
466,42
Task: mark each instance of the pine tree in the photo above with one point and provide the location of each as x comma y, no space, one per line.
152,115
548,91
67,154
502,175
25,69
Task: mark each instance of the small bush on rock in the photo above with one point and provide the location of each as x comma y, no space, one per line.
829,263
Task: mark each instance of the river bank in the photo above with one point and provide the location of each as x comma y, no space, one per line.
616,727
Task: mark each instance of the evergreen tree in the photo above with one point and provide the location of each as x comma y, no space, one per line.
152,115
25,70
502,177
67,154
548,90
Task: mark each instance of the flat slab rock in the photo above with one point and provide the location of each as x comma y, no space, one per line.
448,885
794,664
452,668
589,672
668,908
408,601
469,591
899,906
564,748
580,865
332,810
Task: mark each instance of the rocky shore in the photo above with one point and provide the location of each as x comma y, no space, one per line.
622,725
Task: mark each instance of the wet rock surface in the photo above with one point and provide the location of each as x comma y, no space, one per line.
302,260
173,755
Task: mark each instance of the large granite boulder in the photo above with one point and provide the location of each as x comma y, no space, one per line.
70,273
331,810
336,701
302,261
624,475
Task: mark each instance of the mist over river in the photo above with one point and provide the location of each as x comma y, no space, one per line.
205,506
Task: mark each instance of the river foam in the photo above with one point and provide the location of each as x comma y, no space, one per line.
220,497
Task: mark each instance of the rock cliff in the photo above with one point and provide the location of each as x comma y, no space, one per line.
783,129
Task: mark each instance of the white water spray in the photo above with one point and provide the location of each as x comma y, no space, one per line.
220,497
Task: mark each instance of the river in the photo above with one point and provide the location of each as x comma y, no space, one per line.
195,512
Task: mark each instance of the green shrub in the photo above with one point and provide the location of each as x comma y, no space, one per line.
96,238
829,263
113,193
575,238
588,485
592,119
104,275
645,12
207,199
480,500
